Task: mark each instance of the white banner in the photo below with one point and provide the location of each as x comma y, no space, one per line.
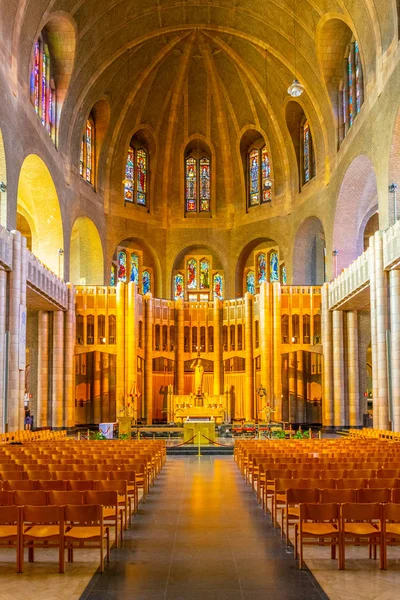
22,338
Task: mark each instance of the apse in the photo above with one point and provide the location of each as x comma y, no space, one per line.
86,254
309,253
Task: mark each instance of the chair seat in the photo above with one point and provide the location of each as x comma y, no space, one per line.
108,512
8,531
317,529
361,529
42,531
80,533
393,528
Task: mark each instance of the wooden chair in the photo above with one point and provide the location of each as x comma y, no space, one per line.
6,498
80,485
60,498
86,524
42,526
279,495
40,475
396,496
321,483
391,526
108,499
362,522
24,485
318,524
51,485
10,531
290,511
374,495
270,477
361,473
94,475
334,474
14,475
124,500
35,498
352,484
388,473
133,488
337,496
65,475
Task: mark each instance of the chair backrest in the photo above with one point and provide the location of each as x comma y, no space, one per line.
319,512
361,473
23,485
338,496
272,474
83,513
94,475
65,497
353,484
115,485
6,498
361,511
388,473
396,495
103,497
66,475
334,474
42,514
15,475
80,485
281,485
391,511
129,476
40,475
297,496
36,498
10,514
374,495
56,484
301,473
384,482
321,483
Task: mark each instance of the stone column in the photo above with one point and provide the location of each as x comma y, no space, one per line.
149,324
42,417
394,277
249,368
218,372
3,313
57,396
180,346
265,340
338,369
96,393
326,325
15,395
69,376
277,361
382,323
353,368
131,340
105,389
22,372
292,372
120,334
301,389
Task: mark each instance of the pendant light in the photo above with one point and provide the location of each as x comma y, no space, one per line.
296,88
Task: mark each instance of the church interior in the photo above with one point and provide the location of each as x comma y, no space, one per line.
190,235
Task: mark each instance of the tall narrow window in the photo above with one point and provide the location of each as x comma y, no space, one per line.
113,273
197,185
283,275
122,266
254,177
273,267
266,175
136,176
350,79
261,268
179,290
42,86
250,282
351,89
134,268
141,176
259,173
128,183
191,274
204,274
146,281
218,286
87,151
306,152
357,64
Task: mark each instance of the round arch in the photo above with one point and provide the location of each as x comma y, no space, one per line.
244,256
38,202
86,254
3,184
309,253
149,257
197,250
357,198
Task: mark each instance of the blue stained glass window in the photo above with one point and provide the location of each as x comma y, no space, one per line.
273,267
122,266
179,292
205,187
254,177
350,82
146,281
218,286
306,152
262,268
357,64
141,176
283,275
112,275
134,268
191,185
250,282
42,85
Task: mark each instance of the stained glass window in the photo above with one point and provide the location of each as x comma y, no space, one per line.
306,152
204,274
122,266
262,268
191,185
112,275
134,268
192,274
179,292
273,267
350,80
205,188
250,282
218,286
141,177
89,150
128,183
42,85
351,90
266,174
81,158
357,65
146,281
254,177
283,275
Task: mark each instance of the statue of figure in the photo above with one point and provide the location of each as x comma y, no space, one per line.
198,376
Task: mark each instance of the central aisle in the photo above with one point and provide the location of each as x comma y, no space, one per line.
201,534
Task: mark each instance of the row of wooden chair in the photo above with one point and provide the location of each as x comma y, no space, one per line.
350,523
25,435
379,434
65,527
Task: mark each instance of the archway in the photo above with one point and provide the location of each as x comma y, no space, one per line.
3,184
38,203
309,253
247,260
86,254
357,199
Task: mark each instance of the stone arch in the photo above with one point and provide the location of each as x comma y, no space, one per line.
150,260
199,250
86,254
38,203
309,253
357,198
244,256
3,184
101,114
296,116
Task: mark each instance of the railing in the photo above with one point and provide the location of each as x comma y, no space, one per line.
391,246
5,248
353,279
46,282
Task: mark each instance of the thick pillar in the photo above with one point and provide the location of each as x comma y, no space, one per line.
3,312
249,369
394,278
120,333
69,375
374,346
57,395
277,369
148,375
180,348
327,395
353,380
22,349
292,372
382,324
105,389
338,369
96,393
265,339
15,394
301,388
42,417
131,340
218,372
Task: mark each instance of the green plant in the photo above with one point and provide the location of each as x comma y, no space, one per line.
97,435
124,436
279,435
299,435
